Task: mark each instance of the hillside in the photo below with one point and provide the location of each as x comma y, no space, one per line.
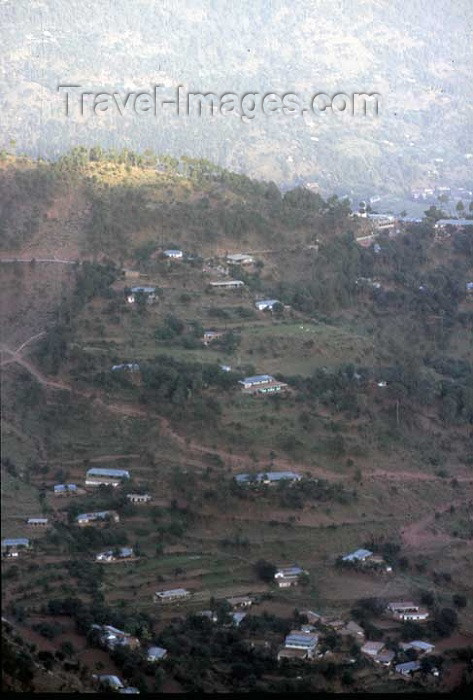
418,62
372,350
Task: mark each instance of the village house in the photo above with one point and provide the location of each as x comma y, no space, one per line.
126,366
65,489
225,368
227,284
469,287
37,522
112,555
209,614
111,637
408,668
267,304
353,630
419,646
358,555
172,595
237,618
12,546
242,601
210,336
173,253
139,497
262,384
155,654
240,259
305,642
102,516
385,657
286,577
109,682
129,690
372,649
407,610
108,477
149,293
457,223
267,478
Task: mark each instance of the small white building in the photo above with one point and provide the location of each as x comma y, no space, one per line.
227,284
372,648
171,595
37,522
154,654
139,497
173,253
267,304
108,477
240,259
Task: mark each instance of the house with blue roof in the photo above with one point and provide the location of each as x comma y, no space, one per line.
109,477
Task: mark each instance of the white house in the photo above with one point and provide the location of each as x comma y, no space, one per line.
227,284
156,654
240,259
419,646
149,293
372,648
266,304
288,576
173,253
138,497
171,596
108,477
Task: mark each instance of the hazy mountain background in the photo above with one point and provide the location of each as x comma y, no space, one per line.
417,55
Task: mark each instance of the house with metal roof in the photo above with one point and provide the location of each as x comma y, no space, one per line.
288,576
173,253
37,522
408,668
358,555
126,366
237,618
12,545
242,601
64,489
110,681
266,304
156,654
171,595
305,641
372,648
108,477
100,516
112,555
149,293
240,259
139,497
458,223
419,646
262,384
267,477
227,284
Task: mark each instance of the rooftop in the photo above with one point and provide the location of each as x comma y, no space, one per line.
16,542
121,473
267,476
357,555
